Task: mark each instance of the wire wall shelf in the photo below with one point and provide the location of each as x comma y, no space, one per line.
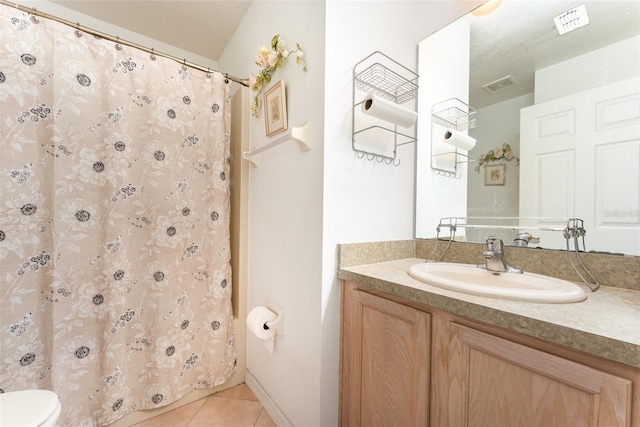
390,80
454,114
380,80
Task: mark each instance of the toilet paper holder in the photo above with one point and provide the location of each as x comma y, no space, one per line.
278,323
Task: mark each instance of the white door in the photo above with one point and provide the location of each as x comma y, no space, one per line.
581,159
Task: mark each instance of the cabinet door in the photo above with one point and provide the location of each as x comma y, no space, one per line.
500,383
385,363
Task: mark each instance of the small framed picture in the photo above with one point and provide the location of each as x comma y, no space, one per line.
494,175
275,109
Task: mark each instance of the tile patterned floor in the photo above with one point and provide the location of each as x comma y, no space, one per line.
234,407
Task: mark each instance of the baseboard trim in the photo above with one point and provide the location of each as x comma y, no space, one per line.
266,401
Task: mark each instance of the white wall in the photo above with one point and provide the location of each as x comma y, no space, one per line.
497,124
364,200
610,64
302,205
285,208
444,66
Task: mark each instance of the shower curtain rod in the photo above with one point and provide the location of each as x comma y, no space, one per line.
118,40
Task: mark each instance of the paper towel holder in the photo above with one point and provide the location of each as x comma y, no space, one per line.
389,80
456,115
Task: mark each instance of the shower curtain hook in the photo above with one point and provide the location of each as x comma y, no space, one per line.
209,74
153,55
33,16
117,46
77,32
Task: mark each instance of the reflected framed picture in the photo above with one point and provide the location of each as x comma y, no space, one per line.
275,109
494,175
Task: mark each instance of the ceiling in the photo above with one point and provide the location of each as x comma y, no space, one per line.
202,27
520,37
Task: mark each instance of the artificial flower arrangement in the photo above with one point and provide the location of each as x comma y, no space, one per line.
499,153
269,61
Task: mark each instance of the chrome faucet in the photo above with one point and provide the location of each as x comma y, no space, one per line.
495,257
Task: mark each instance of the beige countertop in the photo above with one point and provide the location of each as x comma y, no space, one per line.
606,324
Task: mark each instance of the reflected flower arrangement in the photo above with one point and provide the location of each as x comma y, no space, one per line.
501,153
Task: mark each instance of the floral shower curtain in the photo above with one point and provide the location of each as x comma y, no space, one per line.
114,223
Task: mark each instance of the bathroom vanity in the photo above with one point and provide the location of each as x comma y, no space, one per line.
414,354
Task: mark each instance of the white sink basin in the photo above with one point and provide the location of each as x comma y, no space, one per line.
470,279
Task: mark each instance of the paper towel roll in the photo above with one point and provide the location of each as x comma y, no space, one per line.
459,140
256,322
389,111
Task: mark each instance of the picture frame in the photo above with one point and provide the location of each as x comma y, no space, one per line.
494,174
275,109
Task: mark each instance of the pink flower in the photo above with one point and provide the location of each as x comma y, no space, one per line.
508,155
272,58
263,57
499,153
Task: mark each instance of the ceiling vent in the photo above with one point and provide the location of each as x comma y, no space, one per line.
571,19
500,85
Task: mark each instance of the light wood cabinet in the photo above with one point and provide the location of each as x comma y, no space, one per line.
496,382
405,364
385,364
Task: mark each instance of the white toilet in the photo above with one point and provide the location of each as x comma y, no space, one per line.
29,408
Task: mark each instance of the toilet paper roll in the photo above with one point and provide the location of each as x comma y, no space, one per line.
386,110
257,322
459,140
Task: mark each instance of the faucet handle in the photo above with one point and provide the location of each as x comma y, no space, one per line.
495,244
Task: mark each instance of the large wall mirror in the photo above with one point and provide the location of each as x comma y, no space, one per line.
565,106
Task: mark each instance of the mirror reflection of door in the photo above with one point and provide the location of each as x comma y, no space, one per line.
572,167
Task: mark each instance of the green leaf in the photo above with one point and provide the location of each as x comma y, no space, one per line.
274,41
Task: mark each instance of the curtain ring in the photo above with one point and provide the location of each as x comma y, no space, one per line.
209,74
396,164
379,159
153,55
117,46
33,17
77,32
388,161
360,154
184,64
370,156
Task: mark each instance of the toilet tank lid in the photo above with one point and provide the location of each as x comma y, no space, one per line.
27,408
